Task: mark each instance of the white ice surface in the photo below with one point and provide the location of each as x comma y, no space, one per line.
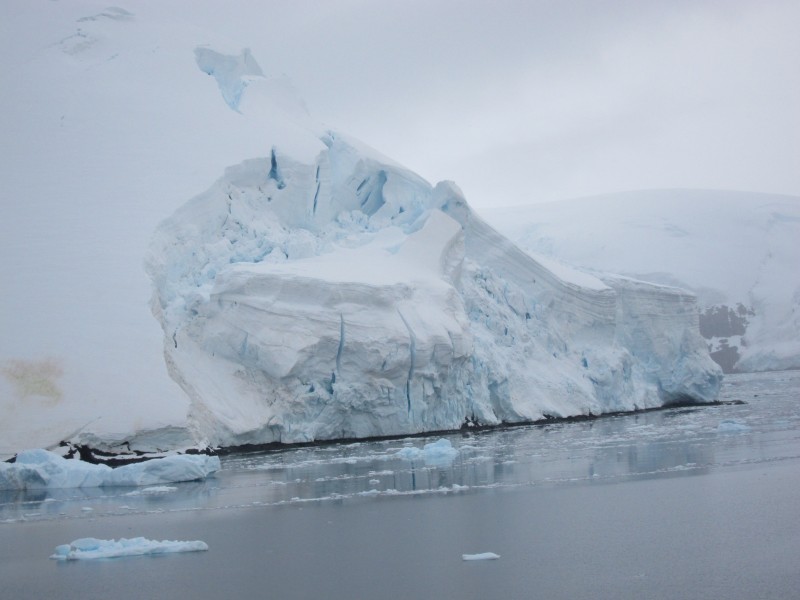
93,548
40,469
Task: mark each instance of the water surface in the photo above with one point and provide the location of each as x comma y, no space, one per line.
686,502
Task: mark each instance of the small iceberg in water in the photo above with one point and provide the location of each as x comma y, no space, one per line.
41,470
481,556
93,548
440,452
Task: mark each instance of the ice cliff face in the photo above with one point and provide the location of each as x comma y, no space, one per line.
349,298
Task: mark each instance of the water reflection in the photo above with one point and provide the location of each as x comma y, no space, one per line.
672,442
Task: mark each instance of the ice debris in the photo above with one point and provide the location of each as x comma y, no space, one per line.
93,548
732,426
481,556
440,452
41,469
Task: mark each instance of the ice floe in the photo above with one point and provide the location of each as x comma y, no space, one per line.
42,469
481,556
93,548
435,453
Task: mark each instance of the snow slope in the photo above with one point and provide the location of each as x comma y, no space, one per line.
739,252
109,124
316,290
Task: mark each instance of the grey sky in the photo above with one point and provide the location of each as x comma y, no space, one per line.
531,101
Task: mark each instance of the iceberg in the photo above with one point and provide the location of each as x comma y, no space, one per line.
41,469
349,298
93,548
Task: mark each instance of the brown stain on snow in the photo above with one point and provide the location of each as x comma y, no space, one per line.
34,378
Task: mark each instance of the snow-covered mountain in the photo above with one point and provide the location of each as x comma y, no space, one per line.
738,252
315,290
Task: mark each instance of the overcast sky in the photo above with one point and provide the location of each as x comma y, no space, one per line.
530,101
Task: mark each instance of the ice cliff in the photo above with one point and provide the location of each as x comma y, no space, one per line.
347,298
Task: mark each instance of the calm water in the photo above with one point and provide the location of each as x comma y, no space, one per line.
698,502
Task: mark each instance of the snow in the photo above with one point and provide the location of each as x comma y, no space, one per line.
108,126
93,548
233,73
480,556
316,290
40,469
737,251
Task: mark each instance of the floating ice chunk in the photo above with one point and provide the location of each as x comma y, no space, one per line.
170,469
93,548
41,469
409,453
732,426
481,556
440,452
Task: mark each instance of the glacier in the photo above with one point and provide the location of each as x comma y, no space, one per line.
737,251
349,298
317,290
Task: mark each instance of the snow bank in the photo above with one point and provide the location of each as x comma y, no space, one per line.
40,469
93,548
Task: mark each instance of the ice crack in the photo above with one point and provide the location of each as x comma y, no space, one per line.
412,355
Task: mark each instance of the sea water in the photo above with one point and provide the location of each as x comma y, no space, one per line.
684,502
